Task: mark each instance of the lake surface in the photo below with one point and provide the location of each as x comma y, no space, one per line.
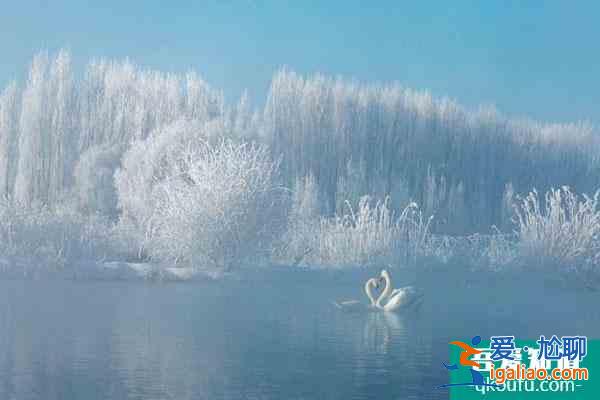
263,335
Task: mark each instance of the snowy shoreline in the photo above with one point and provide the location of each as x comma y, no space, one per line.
11,268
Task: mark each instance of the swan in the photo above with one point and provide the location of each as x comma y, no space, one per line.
396,299
355,304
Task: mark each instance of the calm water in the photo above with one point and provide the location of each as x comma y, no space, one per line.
262,336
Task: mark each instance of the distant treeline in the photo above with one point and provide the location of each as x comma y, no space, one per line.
62,137
463,166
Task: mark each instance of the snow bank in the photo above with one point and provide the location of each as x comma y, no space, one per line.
16,268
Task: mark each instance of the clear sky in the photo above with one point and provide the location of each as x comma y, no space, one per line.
529,58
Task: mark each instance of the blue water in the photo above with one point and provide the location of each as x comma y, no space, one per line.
263,335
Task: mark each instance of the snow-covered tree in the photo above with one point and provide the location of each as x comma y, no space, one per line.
94,180
62,141
457,212
33,135
58,117
508,204
318,124
9,106
202,199
306,206
355,139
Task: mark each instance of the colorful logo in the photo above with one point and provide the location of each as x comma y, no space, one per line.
468,351
549,367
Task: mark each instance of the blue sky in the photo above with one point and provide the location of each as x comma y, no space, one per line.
540,59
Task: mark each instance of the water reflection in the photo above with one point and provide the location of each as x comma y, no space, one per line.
379,331
266,337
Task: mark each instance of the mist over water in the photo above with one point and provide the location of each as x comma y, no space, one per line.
268,334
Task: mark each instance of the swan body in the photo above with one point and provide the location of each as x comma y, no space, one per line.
355,304
396,299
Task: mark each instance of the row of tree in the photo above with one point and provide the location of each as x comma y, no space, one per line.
61,134
46,126
461,165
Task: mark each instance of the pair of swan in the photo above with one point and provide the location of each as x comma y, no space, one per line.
389,299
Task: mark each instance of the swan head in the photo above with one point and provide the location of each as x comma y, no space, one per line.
373,282
383,276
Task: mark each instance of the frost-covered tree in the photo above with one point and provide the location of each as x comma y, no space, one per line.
355,139
94,180
62,141
47,141
33,135
148,162
58,117
306,207
319,124
458,214
9,106
351,185
434,192
202,199
508,205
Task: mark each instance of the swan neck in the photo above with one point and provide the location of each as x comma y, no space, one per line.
368,292
386,290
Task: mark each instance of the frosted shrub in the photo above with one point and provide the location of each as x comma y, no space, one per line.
359,237
200,202
43,237
499,251
304,219
370,234
147,163
561,229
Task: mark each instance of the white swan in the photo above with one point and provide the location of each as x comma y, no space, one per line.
396,299
355,304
